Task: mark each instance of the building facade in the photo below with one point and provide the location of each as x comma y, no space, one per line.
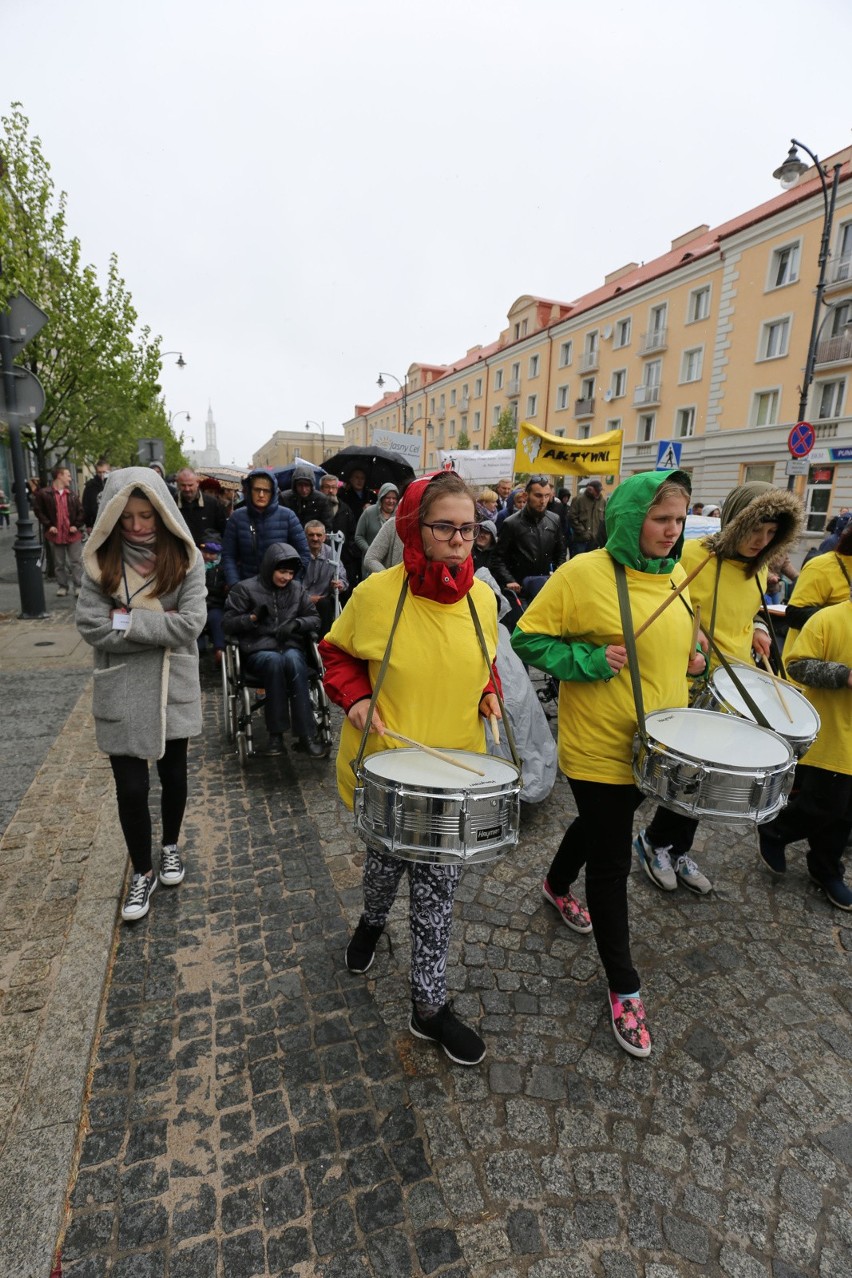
288,446
704,347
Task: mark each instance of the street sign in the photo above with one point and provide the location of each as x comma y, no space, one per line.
25,319
29,396
801,439
668,454
798,466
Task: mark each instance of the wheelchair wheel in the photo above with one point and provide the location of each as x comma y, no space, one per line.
245,745
228,698
321,711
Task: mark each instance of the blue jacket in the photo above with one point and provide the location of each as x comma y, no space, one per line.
250,532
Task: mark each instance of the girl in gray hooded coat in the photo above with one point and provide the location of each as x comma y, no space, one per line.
142,608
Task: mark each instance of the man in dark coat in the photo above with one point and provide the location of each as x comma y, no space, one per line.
92,491
343,521
200,510
272,617
587,517
256,525
530,544
304,500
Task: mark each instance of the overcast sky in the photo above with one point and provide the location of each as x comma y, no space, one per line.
302,195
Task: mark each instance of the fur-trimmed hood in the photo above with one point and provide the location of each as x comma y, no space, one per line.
117,489
745,509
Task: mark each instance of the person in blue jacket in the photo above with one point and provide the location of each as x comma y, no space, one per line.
257,525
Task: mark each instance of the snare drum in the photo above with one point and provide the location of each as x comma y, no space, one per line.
722,694
701,763
416,807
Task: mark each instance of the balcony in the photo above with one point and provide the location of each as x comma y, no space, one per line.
834,350
590,361
513,387
584,407
841,271
645,395
656,340
464,403
440,414
825,430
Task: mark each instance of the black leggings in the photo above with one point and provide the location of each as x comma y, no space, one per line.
132,784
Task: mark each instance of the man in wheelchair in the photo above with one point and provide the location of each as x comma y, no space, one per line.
272,616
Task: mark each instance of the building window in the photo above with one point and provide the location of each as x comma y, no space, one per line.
693,362
495,415
830,398
818,497
684,423
657,325
588,391
521,329
532,405
645,429
653,373
759,472
774,339
784,266
613,423
432,404
560,431
535,360
562,396
442,404
453,398
765,408
622,333
477,421
843,258
585,431
565,354
618,384
498,379
699,304
452,426
516,372
465,390
477,387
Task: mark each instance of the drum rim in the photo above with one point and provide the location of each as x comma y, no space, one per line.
795,732
473,783
722,765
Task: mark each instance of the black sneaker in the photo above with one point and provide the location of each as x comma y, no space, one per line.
361,950
139,896
276,743
171,866
771,852
312,746
462,1044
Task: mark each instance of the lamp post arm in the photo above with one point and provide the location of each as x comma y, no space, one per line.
830,196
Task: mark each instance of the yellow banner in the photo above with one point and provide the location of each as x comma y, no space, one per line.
553,455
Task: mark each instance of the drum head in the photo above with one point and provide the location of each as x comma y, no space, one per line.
761,688
415,767
717,738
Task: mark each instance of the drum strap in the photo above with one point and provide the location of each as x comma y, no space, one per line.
773,640
759,716
355,764
630,645
507,723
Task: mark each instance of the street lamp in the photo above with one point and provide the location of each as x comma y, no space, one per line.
174,416
788,175
180,361
402,386
321,428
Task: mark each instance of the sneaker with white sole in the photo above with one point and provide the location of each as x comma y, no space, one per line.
656,862
171,866
572,913
629,1024
690,876
461,1043
138,898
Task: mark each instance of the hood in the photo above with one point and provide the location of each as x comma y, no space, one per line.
302,472
260,473
425,577
625,513
748,506
384,490
118,487
278,553
488,525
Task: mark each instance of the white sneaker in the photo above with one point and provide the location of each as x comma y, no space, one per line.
61,592
690,876
656,862
171,867
139,896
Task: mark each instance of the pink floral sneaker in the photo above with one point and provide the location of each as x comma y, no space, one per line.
629,1025
574,915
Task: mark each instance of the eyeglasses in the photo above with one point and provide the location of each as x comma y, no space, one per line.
446,532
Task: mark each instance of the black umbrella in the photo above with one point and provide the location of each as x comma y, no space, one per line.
380,465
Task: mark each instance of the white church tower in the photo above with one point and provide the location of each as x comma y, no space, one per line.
209,455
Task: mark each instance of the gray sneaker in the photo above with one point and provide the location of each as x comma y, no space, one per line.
656,862
691,877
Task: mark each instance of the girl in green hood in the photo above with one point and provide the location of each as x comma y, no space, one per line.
573,630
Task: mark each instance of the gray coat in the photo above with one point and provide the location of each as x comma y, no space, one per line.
146,689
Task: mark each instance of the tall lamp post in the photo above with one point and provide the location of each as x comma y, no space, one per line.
321,428
788,175
402,386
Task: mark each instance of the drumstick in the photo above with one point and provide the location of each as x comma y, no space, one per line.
776,685
495,728
671,598
696,626
439,754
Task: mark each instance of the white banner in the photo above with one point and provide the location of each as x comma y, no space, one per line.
408,447
485,466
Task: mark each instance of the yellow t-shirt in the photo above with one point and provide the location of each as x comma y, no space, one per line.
436,673
828,637
737,602
822,581
597,719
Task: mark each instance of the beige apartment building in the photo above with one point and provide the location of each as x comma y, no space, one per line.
287,446
704,346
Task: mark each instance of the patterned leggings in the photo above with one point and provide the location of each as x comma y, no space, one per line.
432,890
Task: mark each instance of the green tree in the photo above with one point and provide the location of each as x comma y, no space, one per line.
99,374
505,433
464,441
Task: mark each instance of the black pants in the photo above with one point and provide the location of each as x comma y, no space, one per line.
820,810
671,830
132,784
601,839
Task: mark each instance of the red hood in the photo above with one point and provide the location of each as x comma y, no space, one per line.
425,577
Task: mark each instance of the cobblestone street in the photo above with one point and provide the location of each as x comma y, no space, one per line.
255,1109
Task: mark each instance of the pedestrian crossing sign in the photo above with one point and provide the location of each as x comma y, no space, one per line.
668,454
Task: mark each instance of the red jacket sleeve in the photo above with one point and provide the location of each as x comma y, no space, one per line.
347,678
493,685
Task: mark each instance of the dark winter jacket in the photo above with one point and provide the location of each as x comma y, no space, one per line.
529,545
314,506
44,509
586,514
484,556
203,512
289,608
92,496
250,532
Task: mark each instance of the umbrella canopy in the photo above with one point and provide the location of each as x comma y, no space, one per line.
284,475
380,465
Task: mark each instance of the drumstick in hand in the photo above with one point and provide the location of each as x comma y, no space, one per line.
438,754
776,685
671,598
696,626
495,728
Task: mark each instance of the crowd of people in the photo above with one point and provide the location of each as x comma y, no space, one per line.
404,587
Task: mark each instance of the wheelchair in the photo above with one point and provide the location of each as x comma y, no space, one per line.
240,703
